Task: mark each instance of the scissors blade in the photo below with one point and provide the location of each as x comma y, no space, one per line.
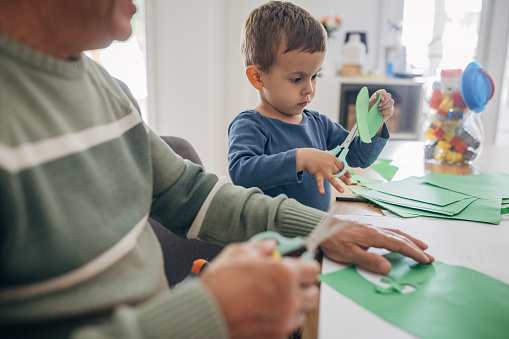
353,132
324,230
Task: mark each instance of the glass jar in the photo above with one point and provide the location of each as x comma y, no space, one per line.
453,132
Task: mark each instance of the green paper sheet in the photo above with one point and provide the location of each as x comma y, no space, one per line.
480,210
415,188
448,301
361,115
364,181
487,186
403,212
451,209
383,167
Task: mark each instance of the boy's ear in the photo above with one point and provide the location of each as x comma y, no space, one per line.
254,76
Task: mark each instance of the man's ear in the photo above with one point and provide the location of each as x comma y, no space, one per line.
254,75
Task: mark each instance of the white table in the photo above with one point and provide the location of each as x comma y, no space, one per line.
482,247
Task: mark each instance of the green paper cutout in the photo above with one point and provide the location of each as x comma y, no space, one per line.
375,119
364,181
353,179
368,120
416,188
448,301
504,210
359,179
405,272
450,209
361,115
383,167
487,186
505,201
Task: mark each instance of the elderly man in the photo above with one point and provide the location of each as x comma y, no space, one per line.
80,173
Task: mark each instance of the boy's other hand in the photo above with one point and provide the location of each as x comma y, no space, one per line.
322,165
385,106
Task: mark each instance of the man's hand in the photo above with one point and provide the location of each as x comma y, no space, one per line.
351,243
322,165
259,296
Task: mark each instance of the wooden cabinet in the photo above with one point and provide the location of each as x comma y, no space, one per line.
336,97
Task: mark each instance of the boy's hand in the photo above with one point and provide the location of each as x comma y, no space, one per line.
322,165
385,106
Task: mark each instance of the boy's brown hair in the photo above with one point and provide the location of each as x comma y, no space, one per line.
275,23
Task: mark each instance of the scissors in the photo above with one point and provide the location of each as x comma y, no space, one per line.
367,119
326,228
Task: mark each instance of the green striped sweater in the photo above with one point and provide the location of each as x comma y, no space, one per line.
79,175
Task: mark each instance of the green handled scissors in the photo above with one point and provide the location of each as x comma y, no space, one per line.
367,123
326,228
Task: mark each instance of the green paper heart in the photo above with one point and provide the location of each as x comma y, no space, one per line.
368,120
361,114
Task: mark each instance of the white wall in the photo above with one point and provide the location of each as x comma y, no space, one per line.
492,54
196,76
196,80
194,71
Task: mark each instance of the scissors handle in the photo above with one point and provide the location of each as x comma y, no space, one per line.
342,150
340,153
284,244
342,158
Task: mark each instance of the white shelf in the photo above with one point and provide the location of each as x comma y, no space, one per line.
375,81
335,95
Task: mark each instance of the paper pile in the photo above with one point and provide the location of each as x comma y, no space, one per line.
481,198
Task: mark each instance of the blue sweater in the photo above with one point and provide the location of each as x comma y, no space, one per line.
262,153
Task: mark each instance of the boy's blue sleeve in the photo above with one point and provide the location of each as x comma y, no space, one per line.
250,164
363,155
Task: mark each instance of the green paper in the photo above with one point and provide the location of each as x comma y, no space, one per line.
480,210
368,120
450,209
383,167
448,301
364,181
356,179
375,119
487,186
505,201
403,212
361,115
353,179
415,188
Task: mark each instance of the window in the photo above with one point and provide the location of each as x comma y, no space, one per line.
126,60
440,34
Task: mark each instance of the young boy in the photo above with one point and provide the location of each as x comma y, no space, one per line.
279,146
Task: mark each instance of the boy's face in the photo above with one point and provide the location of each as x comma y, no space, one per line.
290,84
